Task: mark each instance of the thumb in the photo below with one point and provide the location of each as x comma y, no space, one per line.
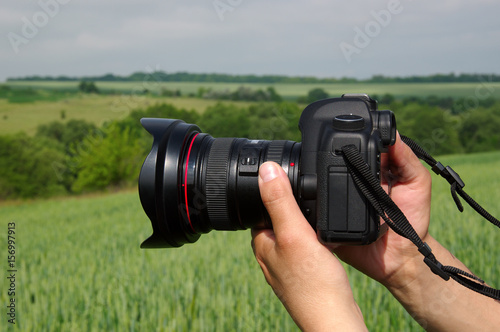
405,164
277,196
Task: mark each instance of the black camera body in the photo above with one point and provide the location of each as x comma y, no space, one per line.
329,198
191,183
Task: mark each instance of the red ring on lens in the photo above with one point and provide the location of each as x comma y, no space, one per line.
185,184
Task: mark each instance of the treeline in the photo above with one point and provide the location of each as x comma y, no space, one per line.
455,106
161,76
242,93
74,156
435,78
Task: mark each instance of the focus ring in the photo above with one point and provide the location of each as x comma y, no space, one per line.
275,151
216,183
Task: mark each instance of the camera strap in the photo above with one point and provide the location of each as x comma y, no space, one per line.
370,186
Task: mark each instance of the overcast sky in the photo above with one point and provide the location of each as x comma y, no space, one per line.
322,38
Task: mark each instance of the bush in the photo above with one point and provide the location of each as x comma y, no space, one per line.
88,87
313,95
432,127
225,120
69,134
170,93
480,131
76,156
109,158
241,94
29,167
274,121
161,111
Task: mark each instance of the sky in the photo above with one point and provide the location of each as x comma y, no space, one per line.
323,38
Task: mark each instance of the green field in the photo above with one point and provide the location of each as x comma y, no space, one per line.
288,91
26,117
79,266
78,262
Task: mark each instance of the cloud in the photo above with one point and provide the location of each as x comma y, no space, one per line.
280,37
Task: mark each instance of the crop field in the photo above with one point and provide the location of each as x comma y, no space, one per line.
25,117
291,91
61,102
79,266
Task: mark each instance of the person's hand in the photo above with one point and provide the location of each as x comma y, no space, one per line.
436,304
313,286
304,274
384,259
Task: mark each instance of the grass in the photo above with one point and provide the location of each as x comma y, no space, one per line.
287,91
26,117
47,101
470,237
80,267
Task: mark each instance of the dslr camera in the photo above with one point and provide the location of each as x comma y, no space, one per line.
192,183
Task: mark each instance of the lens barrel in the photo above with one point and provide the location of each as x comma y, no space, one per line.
191,183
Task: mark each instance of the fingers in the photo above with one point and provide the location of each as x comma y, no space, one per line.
404,164
291,236
262,240
277,196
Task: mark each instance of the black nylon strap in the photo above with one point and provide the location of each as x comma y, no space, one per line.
453,178
472,282
395,218
479,209
371,189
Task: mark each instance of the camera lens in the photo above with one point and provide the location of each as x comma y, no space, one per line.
192,183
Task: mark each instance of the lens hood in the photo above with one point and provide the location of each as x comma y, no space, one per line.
158,182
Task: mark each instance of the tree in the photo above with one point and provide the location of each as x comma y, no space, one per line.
316,94
273,95
431,127
274,121
160,111
479,132
225,120
170,93
87,87
387,99
313,95
29,167
111,157
69,134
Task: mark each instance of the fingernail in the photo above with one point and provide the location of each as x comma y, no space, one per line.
268,172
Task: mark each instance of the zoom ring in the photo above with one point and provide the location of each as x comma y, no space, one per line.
275,151
216,183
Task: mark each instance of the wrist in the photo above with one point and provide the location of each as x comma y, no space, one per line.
430,300
345,316
411,266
